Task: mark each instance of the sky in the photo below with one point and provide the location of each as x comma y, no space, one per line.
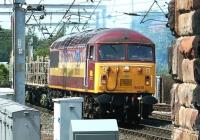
154,25
115,8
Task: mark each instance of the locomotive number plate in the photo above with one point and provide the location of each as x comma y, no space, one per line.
125,82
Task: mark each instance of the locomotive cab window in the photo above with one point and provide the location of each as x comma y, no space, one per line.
112,52
140,53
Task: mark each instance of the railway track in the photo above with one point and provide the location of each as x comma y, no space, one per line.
165,116
161,112
144,131
148,132
162,107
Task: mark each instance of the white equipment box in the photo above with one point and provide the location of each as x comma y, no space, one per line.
65,110
7,93
94,130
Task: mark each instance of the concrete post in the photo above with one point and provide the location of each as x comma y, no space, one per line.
19,51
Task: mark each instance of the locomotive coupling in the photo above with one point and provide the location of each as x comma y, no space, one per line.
149,100
146,105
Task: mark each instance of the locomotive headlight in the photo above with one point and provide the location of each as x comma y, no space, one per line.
106,69
139,70
147,80
103,79
147,83
126,69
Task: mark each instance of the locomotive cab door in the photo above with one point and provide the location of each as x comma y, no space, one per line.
89,67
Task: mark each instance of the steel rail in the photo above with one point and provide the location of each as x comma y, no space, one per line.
149,132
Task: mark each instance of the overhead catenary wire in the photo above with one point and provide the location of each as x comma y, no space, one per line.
79,20
64,24
84,26
89,18
63,16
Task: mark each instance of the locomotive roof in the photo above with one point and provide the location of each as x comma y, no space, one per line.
116,35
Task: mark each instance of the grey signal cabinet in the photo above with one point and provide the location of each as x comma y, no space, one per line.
94,130
18,122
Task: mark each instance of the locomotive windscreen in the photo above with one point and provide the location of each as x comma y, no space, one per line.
112,52
140,53
118,52
54,59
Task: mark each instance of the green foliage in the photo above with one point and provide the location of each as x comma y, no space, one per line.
5,45
35,40
43,46
42,49
4,76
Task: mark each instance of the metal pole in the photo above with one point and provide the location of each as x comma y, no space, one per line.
30,49
19,54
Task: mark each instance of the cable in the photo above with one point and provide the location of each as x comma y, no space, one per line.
147,12
113,5
75,26
40,1
153,20
136,3
63,17
30,17
83,28
160,7
39,26
79,20
155,1
63,25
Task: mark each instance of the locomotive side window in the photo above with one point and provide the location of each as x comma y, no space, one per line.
140,53
91,53
112,52
54,57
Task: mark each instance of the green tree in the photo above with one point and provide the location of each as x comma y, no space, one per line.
43,46
42,49
5,45
4,76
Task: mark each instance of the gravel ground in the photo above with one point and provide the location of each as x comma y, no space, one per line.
47,129
129,137
47,126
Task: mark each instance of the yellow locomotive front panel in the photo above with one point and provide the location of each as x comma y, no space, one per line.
125,77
